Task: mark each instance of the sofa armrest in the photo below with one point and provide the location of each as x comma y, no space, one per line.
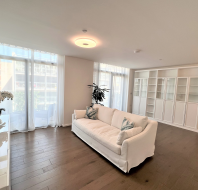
73,117
79,114
136,149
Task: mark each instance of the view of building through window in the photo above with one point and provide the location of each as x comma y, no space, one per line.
16,77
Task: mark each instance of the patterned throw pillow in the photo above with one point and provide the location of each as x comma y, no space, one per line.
127,124
91,113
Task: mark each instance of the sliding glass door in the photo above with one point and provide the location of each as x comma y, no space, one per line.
13,79
27,113
45,94
36,79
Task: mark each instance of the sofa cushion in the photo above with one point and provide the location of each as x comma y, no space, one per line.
105,134
105,114
79,114
128,134
118,116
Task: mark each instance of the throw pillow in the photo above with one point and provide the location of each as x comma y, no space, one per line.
91,113
127,124
79,114
125,134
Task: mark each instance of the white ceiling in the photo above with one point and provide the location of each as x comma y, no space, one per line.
162,29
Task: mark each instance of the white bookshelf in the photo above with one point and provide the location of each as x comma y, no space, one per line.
171,95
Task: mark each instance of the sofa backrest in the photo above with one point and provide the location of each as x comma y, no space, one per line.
118,116
105,114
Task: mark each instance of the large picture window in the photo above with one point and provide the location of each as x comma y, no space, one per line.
32,77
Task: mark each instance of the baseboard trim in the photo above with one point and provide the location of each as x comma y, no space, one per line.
175,125
66,125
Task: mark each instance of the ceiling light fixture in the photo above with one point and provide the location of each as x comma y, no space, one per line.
85,42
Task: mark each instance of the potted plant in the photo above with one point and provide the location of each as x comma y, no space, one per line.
98,94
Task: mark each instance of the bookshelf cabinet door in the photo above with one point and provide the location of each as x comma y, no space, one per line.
191,115
136,104
159,109
180,108
168,111
142,106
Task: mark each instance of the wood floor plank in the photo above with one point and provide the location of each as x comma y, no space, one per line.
119,183
85,175
26,176
39,143
55,162
29,169
101,181
38,179
27,139
26,154
51,154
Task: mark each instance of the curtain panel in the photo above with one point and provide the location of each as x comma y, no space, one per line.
36,79
117,80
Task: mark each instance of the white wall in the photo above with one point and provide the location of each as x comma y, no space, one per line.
78,74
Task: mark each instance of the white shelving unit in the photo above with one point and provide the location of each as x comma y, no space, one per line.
168,95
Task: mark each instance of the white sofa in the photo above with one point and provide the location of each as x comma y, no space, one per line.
102,135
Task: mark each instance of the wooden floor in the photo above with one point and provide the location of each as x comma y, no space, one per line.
54,159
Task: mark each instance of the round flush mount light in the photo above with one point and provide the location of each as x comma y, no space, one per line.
85,43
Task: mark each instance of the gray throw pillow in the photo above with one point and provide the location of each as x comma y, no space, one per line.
91,113
127,124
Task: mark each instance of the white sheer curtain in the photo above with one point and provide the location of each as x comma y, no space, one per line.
60,91
37,81
116,79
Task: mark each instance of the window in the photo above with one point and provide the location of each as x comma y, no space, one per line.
35,102
116,79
